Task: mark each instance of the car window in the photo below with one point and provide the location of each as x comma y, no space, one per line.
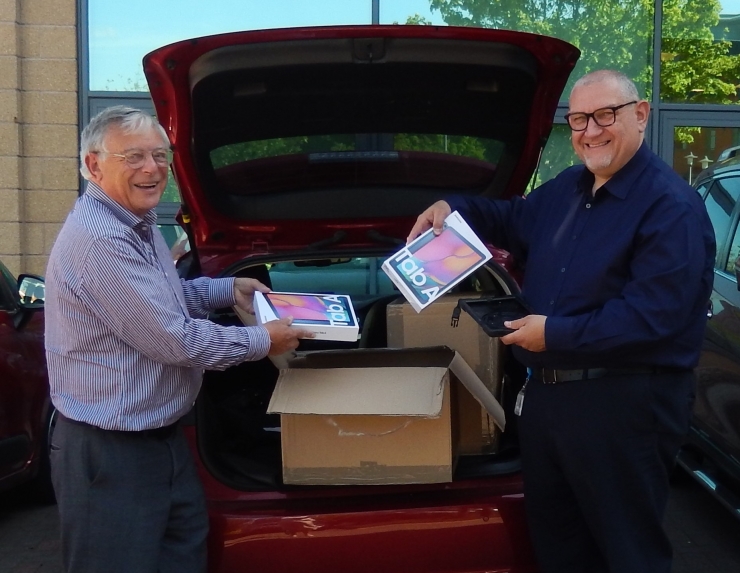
346,146
346,176
357,277
733,253
176,239
720,202
8,289
702,189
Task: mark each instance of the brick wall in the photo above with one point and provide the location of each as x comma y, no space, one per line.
38,128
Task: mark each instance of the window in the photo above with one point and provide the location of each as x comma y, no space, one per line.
618,32
700,52
359,277
8,289
720,202
734,253
119,37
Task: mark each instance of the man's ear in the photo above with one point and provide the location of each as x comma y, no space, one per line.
92,162
642,110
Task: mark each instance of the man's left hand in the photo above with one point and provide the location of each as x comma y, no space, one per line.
530,332
244,291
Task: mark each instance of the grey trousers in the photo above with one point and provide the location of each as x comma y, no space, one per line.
128,501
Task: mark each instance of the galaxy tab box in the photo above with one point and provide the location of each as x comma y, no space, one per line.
328,316
432,264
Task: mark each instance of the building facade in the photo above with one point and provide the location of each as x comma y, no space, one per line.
61,61
39,130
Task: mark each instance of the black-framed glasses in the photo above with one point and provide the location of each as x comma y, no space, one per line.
136,158
603,117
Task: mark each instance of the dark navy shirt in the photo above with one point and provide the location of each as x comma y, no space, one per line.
624,277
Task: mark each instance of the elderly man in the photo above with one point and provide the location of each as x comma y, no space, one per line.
619,255
126,344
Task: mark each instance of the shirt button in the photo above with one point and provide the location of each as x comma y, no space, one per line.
552,302
588,205
562,270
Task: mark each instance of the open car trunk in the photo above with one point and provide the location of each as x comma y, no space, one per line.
240,444
303,157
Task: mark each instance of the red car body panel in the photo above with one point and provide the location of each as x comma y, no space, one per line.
24,397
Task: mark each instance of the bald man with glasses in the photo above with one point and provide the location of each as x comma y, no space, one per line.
618,256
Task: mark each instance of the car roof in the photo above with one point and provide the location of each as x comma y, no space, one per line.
721,168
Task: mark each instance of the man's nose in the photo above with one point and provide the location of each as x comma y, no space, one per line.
149,163
592,128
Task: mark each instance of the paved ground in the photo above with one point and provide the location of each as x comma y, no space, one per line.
706,538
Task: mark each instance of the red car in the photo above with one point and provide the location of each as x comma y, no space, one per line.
26,412
303,157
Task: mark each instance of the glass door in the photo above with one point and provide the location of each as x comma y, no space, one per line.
691,143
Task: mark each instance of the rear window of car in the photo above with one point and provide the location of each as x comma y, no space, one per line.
347,177
335,147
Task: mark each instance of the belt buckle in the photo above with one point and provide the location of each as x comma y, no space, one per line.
549,376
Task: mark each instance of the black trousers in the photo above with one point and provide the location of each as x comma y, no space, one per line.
596,457
128,502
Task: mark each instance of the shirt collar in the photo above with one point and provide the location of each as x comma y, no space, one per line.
622,181
121,213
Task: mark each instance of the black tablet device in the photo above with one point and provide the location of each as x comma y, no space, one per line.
491,312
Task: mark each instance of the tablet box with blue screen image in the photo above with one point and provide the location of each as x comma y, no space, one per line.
491,312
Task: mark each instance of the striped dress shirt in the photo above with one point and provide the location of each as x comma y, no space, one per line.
127,340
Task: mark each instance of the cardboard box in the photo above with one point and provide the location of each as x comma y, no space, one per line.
432,264
372,416
407,329
328,316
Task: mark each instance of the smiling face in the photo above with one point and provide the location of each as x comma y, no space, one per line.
138,190
605,150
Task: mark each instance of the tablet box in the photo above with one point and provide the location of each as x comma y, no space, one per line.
372,416
406,329
328,316
432,264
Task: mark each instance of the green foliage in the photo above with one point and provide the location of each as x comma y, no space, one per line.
453,145
696,67
171,192
618,34
245,151
608,33
417,20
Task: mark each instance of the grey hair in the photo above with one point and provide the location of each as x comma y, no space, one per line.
626,85
127,119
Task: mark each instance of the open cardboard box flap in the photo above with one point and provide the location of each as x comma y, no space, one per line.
402,382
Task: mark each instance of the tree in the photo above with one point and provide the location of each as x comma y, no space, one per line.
696,67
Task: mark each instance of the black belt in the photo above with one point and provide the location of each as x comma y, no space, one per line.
553,376
161,433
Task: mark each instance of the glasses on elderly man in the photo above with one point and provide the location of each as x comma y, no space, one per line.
136,158
603,117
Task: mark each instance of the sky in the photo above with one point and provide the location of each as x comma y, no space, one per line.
120,38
